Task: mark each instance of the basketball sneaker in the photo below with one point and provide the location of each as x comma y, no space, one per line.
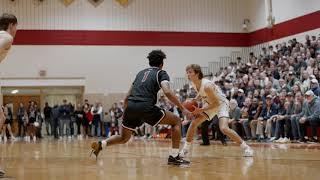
248,152
96,148
177,161
1,173
183,153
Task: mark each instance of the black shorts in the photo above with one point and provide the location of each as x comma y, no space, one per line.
138,112
8,121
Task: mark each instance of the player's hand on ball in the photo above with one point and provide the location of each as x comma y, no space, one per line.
197,111
185,122
186,112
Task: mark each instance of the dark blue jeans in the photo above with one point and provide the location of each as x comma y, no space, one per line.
106,126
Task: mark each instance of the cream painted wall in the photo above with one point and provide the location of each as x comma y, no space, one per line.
283,10
106,69
148,15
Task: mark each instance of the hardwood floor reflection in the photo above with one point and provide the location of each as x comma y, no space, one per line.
146,159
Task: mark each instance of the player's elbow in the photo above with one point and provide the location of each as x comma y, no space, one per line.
167,94
6,42
216,103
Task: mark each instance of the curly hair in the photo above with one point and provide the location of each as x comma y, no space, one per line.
156,58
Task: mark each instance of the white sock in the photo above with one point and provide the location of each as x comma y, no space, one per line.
104,143
244,145
174,152
187,145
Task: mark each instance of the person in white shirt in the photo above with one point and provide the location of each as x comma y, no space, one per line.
214,103
8,29
97,114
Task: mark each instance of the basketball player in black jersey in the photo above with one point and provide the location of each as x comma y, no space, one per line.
140,108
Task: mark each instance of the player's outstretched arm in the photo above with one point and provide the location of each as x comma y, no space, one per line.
165,85
125,102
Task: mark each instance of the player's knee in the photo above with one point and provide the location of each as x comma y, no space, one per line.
176,122
124,140
224,129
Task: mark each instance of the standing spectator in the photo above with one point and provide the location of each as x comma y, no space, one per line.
7,124
88,123
39,120
47,111
96,111
20,116
79,117
116,113
25,121
73,123
32,118
106,124
55,120
65,119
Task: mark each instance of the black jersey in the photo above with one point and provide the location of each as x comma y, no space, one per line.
147,84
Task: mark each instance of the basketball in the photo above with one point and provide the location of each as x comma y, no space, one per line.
189,104
36,124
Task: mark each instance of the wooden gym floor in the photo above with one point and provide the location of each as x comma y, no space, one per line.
146,159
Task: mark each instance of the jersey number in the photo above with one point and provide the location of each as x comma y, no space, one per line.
146,74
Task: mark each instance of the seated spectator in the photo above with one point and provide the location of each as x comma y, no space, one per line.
305,86
254,111
240,98
271,123
234,115
268,111
283,121
314,85
244,117
291,79
311,117
296,88
283,85
297,113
